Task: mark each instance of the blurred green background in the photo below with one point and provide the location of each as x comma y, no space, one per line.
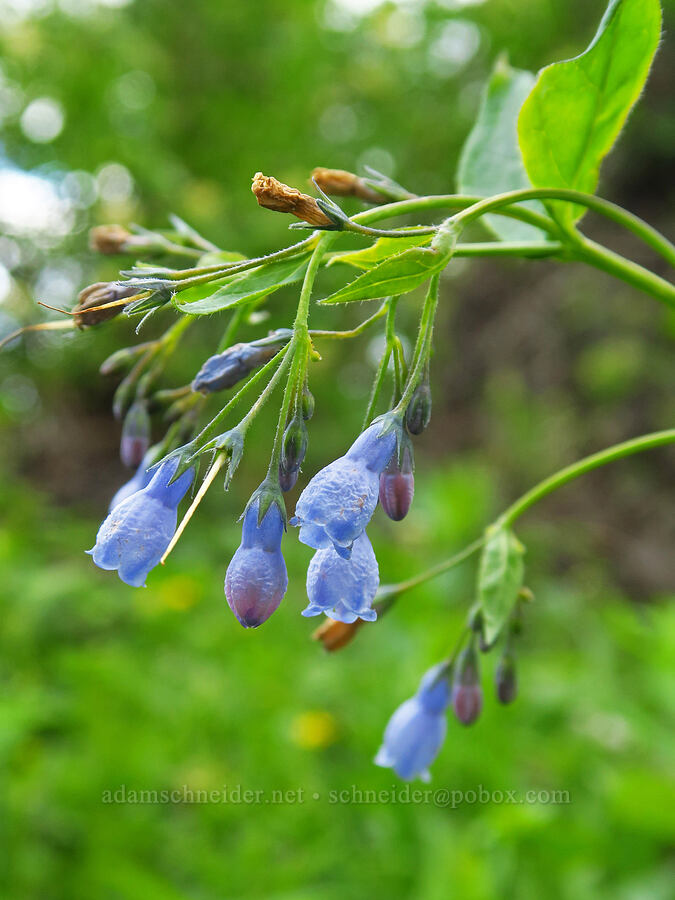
126,111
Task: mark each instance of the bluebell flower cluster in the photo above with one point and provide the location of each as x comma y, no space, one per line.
343,588
139,528
415,733
256,578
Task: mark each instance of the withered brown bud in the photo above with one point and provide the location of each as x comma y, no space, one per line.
336,635
109,239
340,183
273,194
100,294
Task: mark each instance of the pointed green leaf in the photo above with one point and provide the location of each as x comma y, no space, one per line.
491,162
500,578
381,249
395,275
238,289
578,107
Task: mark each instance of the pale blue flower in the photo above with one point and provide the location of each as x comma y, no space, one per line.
415,733
343,588
140,479
137,531
339,501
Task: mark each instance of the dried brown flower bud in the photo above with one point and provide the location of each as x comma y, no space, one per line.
273,194
109,239
100,294
336,635
345,184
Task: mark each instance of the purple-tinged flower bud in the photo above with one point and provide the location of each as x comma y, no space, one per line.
256,578
416,731
506,681
307,404
467,694
293,450
418,414
135,434
397,484
225,369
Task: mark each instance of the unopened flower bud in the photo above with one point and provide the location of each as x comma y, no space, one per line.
467,694
345,184
307,404
256,578
109,239
122,359
506,681
100,294
418,414
293,451
273,194
335,635
225,369
135,434
397,484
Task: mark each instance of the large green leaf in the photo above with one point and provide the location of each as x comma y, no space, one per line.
396,275
248,286
491,162
500,578
577,107
383,248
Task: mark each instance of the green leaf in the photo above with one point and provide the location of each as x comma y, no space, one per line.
395,275
578,107
248,286
491,162
500,578
382,249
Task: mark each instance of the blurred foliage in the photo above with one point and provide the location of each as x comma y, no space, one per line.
171,108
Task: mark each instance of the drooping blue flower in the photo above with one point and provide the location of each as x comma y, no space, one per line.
415,733
137,531
256,578
339,501
343,588
140,479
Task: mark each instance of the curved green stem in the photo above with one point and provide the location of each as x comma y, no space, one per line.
618,214
389,590
353,332
594,461
632,273
423,343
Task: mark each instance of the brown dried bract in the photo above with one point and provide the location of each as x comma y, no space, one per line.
100,294
273,194
336,635
345,184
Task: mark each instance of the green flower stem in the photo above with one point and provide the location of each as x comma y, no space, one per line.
587,464
618,214
632,273
451,201
391,590
300,346
596,460
527,249
186,278
423,343
354,332
233,327
390,335
214,425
